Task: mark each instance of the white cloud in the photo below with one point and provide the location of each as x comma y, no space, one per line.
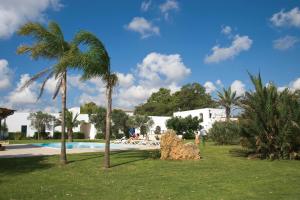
156,68
239,87
26,96
14,13
219,83
226,30
287,19
295,85
285,43
168,6
5,75
155,71
209,87
51,85
239,44
143,27
125,80
146,5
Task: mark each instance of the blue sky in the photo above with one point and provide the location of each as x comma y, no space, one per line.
152,44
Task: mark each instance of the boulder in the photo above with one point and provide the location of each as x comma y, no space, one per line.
173,148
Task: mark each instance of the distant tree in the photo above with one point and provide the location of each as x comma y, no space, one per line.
158,104
88,108
189,97
157,130
41,121
192,96
98,119
71,122
227,99
119,119
142,122
184,126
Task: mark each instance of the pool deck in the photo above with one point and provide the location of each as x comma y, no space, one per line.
28,150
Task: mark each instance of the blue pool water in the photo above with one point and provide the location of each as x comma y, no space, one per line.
84,145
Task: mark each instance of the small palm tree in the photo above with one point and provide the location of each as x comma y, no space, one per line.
50,44
227,99
71,122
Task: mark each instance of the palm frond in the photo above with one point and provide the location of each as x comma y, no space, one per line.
35,77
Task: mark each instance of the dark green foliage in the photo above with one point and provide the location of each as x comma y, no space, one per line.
16,136
192,96
157,130
270,123
41,121
89,108
78,135
142,122
100,136
98,119
184,126
163,103
41,135
227,99
56,135
119,118
225,133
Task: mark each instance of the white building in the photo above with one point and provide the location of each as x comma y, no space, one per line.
18,122
209,116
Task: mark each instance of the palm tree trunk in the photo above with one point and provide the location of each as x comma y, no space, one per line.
107,130
70,135
227,110
63,155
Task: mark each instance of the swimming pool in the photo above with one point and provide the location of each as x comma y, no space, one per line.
85,145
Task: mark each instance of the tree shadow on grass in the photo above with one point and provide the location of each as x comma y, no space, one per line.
14,166
126,157
238,152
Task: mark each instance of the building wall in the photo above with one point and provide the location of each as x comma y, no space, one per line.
18,119
209,115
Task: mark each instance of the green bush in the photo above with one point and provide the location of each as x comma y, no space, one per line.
78,135
43,135
16,136
225,133
270,121
57,135
99,136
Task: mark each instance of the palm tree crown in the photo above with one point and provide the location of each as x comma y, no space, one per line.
227,99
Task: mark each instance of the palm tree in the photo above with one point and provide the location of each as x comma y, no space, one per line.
71,122
110,80
227,99
49,44
95,63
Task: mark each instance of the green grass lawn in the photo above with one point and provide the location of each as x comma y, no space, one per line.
222,174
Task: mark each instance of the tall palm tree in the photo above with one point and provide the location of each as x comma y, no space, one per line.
227,99
95,63
49,44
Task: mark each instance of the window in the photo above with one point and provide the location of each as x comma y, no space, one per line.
24,129
201,116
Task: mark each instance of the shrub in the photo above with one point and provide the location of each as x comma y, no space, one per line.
16,136
57,135
43,135
99,136
270,123
78,135
224,133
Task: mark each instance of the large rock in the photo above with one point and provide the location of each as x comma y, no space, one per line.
173,148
